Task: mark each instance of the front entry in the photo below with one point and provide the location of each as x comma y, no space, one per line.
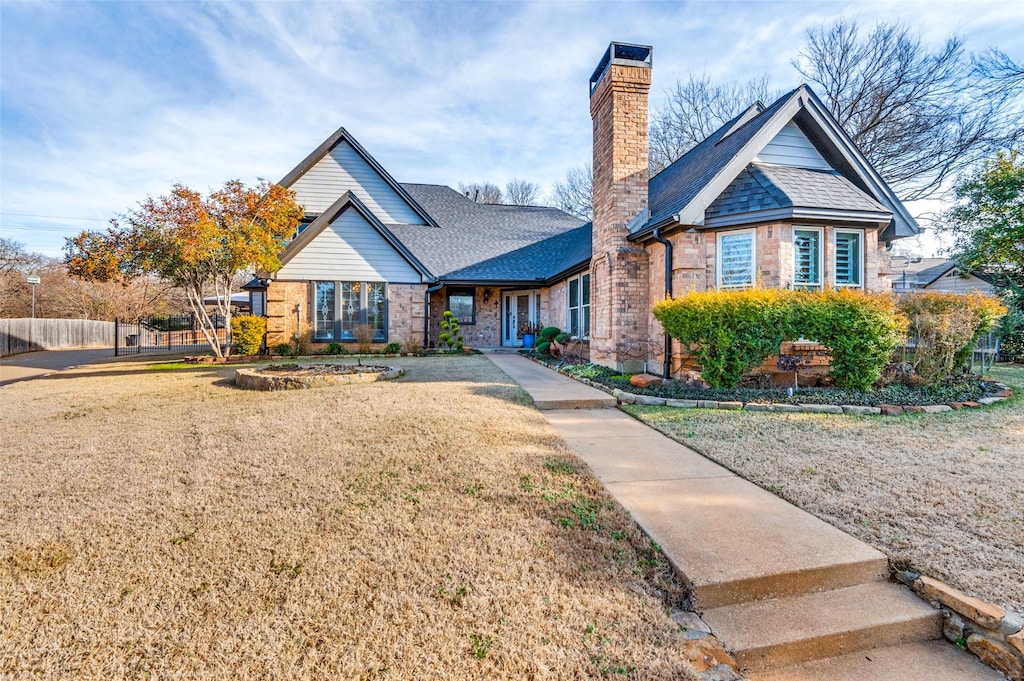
518,308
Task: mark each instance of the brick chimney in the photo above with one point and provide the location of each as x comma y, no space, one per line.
619,281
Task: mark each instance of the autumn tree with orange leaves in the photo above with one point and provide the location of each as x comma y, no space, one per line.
196,242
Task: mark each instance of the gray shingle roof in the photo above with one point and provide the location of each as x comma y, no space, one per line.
764,186
486,242
677,185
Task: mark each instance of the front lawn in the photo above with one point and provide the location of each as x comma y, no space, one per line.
943,493
165,524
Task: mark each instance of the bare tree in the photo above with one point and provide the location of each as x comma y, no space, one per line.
694,110
15,265
575,194
996,66
481,192
920,116
521,193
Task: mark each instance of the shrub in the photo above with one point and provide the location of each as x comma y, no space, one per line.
364,338
247,333
392,348
335,349
860,330
562,337
1011,333
451,335
945,327
544,348
282,349
548,333
731,332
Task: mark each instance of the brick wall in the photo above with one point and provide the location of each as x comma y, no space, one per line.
485,333
620,302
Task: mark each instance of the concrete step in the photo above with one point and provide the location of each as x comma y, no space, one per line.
775,633
926,661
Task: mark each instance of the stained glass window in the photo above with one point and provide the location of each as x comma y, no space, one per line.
324,310
376,316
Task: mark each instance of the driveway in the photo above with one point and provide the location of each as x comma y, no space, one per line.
35,364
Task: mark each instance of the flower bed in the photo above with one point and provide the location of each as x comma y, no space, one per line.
304,376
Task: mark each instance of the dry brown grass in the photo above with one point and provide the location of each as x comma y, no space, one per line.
943,493
166,524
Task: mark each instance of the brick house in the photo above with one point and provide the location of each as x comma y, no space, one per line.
779,195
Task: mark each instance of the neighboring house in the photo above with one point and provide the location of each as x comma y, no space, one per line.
779,195
936,274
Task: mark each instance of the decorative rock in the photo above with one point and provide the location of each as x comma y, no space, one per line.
730,405
953,627
1013,623
913,410
722,672
975,609
682,404
1017,641
858,410
955,406
821,409
995,655
649,401
786,408
707,404
617,393
706,653
645,380
972,404
1003,392
990,400
908,577
754,406
936,408
690,621
628,398
890,410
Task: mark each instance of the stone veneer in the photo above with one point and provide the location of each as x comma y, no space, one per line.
620,304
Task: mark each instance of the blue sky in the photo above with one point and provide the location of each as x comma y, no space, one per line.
104,103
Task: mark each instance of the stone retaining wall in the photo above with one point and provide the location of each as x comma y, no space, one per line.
989,631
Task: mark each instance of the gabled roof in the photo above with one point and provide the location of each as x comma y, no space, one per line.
480,242
341,135
687,188
349,201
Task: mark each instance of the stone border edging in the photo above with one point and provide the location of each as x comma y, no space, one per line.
995,635
253,379
625,397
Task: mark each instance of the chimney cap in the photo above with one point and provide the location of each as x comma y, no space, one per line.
626,54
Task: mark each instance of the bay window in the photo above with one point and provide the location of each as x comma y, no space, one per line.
340,306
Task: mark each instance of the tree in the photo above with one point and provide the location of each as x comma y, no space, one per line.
996,66
521,193
197,243
15,265
694,110
575,194
987,221
920,116
481,192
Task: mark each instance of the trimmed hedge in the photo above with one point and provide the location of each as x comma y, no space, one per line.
247,333
548,333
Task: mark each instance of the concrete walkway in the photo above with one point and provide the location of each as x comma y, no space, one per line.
789,595
36,364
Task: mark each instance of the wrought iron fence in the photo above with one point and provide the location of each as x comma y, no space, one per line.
164,333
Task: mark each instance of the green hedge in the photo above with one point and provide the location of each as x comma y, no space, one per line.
247,333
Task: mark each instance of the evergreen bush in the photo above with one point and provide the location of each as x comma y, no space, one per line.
247,333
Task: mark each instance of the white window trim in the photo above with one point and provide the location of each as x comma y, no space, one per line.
753,257
821,256
863,256
577,282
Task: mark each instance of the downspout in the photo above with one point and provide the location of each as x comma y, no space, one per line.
667,364
426,312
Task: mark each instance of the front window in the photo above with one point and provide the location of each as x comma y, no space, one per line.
807,258
849,258
340,306
579,306
736,259
460,303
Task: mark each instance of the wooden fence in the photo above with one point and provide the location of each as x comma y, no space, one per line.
25,335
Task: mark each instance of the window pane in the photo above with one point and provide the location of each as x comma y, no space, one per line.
737,259
586,289
586,322
574,322
324,312
376,299
807,255
574,293
848,258
461,305
350,310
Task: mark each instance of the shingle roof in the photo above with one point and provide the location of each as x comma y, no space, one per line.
764,186
677,185
486,242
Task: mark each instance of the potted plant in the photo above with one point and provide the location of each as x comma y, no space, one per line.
529,330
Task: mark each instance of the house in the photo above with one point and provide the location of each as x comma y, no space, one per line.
778,195
936,274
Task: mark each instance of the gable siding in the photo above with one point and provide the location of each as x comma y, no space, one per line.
954,283
343,169
792,148
349,249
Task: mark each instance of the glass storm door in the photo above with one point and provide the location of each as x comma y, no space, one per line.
517,307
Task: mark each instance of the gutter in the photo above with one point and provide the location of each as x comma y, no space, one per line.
426,312
667,364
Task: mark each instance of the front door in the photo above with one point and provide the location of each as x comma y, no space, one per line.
517,307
